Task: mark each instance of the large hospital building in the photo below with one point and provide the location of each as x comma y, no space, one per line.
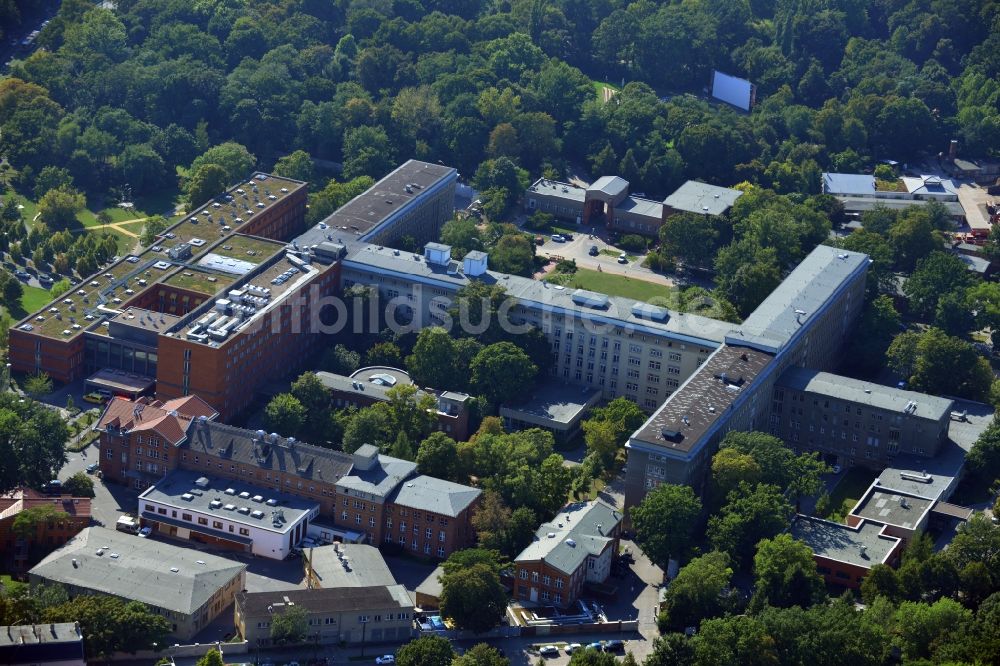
223,303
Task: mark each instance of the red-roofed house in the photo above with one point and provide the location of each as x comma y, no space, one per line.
19,553
156,429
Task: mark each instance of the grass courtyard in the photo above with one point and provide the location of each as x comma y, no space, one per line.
847,493
616,285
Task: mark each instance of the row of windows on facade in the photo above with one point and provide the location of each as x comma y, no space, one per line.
187,517
267,477
894,433
546,579
633,361
522,592
362,619
428,532
414,544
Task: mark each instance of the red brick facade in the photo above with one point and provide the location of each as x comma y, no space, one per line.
146,454
18,552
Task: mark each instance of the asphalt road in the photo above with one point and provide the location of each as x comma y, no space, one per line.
579,249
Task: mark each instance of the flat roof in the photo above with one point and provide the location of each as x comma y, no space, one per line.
806,290
370,209
99,295
144,320
349,565
889,398
119,380
539,294
199,281
325,599
147,570
692,409
180,490
697,197
426,493
977,264
861,204
555,188
863,546
934,478
884,505
554,403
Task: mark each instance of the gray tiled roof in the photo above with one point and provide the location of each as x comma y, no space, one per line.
579,530
865,393
841,542
425,493
609,185
141,571
381,479
242,447
848,183
696,197
892,507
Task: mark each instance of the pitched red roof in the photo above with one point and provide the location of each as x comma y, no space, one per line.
190,405
126,414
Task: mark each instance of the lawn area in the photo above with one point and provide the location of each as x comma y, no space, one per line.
596,486
599,89
847,493
9,584
34,299
616,285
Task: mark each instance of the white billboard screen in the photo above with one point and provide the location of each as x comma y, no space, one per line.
732,90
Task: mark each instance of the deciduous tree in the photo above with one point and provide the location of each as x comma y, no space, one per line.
664,521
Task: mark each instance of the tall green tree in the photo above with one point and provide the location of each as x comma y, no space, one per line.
426,651
699,591
473,598
664,522
502,372
785,573
751,514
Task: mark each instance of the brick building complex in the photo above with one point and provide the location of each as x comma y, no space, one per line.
17,550
574,548
145,441
220,303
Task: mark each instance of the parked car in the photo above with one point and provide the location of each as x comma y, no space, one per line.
44,277
385,659
622,258
24,275
558,238
614,646
593,251
146,531
92,467
596,645
567,237
573,647
548,651
95,398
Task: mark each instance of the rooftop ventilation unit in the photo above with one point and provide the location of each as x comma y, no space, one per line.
245,510
590,299
257,514
272,502
229,507
230,491
187,497
647,311
245,495
257,498
214,504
